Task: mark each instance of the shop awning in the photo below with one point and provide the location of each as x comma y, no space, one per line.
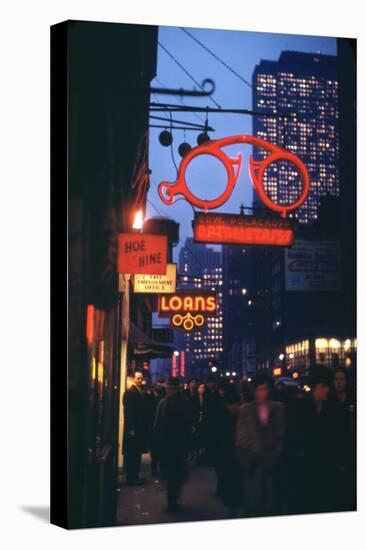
145,347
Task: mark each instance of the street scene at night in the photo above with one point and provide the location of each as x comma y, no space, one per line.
212,346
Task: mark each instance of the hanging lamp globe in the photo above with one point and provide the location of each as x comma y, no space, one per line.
203,138
165,138
184,148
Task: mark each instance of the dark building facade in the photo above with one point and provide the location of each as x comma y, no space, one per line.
239,343
101,74
305,308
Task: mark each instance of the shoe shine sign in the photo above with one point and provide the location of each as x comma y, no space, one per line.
227,228
142,254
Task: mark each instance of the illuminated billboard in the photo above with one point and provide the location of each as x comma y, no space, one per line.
241,229
313,266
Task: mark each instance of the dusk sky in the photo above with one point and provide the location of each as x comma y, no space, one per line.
242,51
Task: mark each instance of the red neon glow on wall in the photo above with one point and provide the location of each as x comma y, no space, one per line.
183,363
168,191
174,366
90,324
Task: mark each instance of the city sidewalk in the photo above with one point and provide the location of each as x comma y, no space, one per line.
147,504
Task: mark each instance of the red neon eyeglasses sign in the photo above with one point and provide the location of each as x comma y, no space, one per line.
168,191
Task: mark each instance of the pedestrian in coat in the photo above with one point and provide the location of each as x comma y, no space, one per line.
226,464
200,420
344,397
134,437
151,401
319,428
259,441
323,433
191,391
172,429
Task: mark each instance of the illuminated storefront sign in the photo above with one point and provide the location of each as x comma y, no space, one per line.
240,229
168,191
139,253
188,309
156,284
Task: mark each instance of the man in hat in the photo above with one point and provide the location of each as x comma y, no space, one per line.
172,429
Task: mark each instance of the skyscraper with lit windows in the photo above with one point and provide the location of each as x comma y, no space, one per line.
200,267
301,90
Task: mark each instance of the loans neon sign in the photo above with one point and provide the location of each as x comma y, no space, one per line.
168,191
241,229
187,309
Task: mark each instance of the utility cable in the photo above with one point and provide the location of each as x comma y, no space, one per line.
156,99
187,72
217,57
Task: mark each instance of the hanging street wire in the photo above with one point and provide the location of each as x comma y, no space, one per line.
186,72
189,125
156,99
217,57
169,107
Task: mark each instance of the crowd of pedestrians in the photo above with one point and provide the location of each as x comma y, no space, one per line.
275,449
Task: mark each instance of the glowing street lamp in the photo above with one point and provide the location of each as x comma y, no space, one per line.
213,369
138,222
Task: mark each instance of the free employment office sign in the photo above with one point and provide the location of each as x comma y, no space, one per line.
156,284
138,253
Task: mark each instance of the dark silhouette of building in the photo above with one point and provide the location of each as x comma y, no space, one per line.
305,320
239,343
100,80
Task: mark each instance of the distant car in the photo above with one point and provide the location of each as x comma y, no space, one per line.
286,380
